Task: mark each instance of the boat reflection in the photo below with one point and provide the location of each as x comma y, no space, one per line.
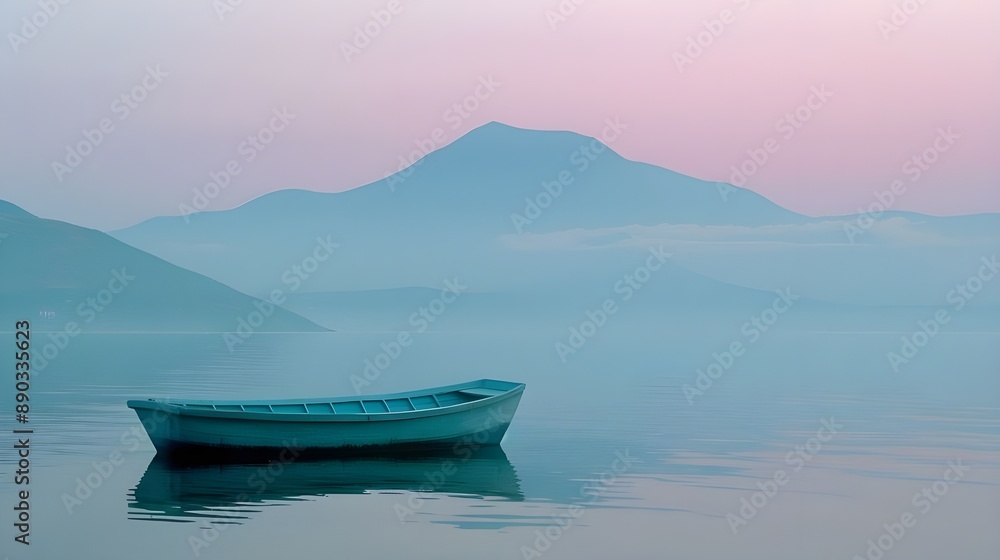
177,492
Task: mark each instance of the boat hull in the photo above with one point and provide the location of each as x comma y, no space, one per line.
183,434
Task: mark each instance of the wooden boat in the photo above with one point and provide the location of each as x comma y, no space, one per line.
476,414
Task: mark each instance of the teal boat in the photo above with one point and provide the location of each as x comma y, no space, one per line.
476,413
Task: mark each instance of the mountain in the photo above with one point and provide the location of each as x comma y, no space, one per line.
509,209
55,273
453,201
13,211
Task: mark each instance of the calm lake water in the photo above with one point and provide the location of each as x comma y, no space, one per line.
606,457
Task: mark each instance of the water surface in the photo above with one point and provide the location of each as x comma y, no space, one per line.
606,456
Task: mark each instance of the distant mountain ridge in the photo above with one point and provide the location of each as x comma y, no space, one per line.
482,206
56,274
493,168
458,198
8,209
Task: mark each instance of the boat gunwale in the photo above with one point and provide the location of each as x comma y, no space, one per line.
178,408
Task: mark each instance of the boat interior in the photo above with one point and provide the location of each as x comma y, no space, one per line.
360,405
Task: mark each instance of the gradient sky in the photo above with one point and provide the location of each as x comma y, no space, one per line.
353,120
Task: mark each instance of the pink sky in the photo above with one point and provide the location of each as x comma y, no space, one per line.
607,59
